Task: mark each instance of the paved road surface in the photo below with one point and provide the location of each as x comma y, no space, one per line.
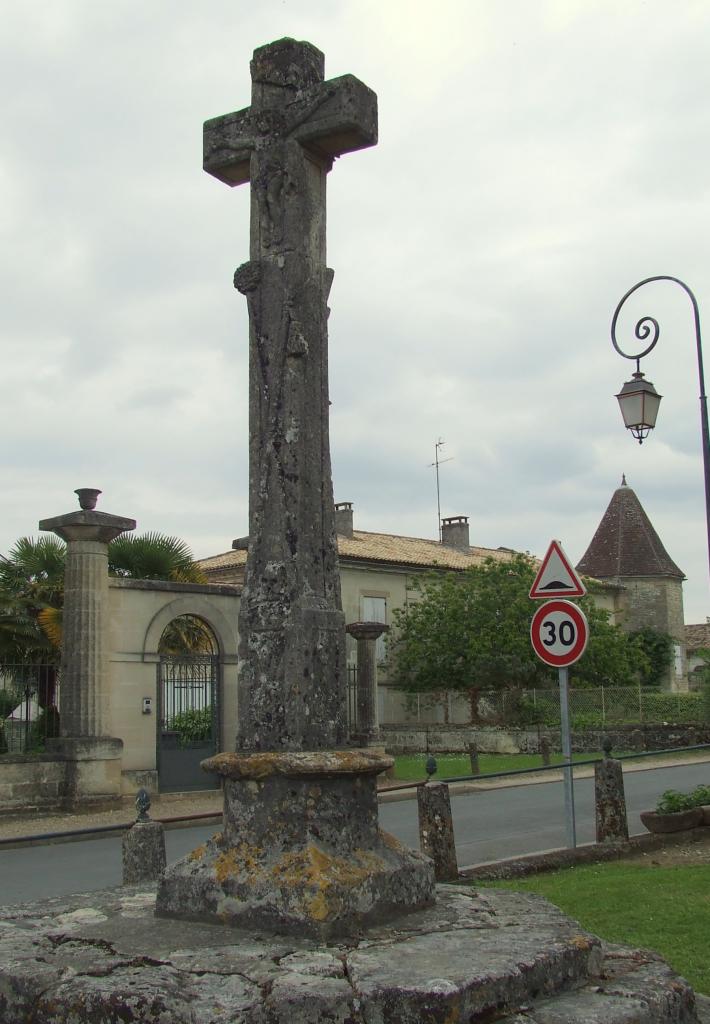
489,825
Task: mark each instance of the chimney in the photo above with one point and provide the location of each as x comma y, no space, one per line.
454,532
344,518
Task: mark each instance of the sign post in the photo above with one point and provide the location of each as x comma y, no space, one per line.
559,633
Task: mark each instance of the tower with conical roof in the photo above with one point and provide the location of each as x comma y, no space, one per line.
627,551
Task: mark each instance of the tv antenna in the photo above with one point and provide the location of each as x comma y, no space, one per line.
437,462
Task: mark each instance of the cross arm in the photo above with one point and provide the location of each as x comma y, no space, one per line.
228,142
338,116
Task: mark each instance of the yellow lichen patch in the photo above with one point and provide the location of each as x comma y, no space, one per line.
239,859
319,908
324,874
454,1013
198,853
390,841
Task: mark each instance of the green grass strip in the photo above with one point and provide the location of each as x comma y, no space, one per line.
660,908
411,767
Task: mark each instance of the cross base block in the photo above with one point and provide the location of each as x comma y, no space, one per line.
301,852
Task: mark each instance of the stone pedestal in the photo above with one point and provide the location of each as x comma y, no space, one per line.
366,634
93,758
301,852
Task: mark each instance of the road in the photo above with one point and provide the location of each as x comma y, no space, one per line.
488,825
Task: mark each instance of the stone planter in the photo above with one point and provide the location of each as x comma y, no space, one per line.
706,814
677,822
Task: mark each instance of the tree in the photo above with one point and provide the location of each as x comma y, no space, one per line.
32,590
658,649
153,556
470,631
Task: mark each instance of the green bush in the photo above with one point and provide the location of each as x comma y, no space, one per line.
194,726
673,801
701,796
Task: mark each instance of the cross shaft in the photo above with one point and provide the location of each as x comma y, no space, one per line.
292,640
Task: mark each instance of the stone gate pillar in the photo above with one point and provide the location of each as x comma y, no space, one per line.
93,758
366,634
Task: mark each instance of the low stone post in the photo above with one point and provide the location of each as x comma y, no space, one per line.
473,758
93,758
609,798
545,750
436,829
366,634
143,848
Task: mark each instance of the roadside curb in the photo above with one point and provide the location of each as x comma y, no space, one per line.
587,853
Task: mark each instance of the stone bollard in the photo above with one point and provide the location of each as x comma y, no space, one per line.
546,750
609,799
436,829
473,758
638,740
143,846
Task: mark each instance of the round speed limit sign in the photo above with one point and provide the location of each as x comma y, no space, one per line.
559,632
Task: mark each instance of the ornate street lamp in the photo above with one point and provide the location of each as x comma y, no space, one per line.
639,400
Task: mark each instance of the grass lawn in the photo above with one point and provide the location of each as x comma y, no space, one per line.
660,908
410,767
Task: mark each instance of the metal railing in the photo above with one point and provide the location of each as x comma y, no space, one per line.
29,702
558,766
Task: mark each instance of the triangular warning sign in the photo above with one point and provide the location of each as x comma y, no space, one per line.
556,577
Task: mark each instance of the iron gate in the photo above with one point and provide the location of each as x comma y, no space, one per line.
188,720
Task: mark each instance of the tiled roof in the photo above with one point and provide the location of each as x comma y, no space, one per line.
697,635
386,548
415,551
626,543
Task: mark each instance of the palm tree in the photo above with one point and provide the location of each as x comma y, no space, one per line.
153,556
32,591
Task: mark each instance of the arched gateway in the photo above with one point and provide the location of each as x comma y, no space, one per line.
174,668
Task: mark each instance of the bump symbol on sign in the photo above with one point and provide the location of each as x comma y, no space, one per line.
556,577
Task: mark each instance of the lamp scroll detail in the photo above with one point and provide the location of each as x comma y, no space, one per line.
639,400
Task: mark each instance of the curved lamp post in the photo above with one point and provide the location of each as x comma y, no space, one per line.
639,400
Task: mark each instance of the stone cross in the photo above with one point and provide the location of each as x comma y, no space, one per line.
301,851
292,690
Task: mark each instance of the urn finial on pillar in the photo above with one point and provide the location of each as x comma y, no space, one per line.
87,497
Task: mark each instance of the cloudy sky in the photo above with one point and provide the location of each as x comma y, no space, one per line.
536,159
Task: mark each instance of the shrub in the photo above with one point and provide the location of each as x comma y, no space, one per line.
194,726
673,801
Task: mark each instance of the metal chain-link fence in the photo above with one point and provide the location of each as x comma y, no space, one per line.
589,708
